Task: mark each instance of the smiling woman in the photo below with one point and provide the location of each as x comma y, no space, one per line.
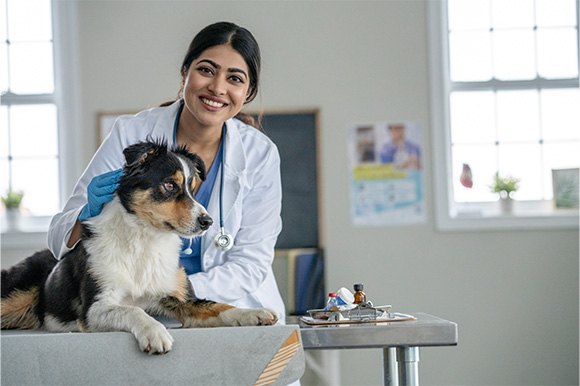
230,36
242,188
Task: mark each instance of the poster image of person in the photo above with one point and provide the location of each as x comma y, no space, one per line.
401,151
365,144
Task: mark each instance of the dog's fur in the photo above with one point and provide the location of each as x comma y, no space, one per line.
126,265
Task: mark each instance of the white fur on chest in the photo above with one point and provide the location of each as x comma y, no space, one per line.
131,260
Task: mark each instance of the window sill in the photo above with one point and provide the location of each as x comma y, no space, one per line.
524,216
29,233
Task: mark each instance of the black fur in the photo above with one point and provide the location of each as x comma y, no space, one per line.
30,272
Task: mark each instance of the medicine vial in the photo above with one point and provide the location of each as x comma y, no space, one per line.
359,295
332,303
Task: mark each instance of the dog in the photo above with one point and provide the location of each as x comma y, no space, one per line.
126,266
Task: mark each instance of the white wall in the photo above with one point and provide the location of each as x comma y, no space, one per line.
513,294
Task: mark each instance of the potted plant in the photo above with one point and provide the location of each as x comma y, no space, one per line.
505,186
12,202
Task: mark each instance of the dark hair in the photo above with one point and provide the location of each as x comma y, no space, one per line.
241,40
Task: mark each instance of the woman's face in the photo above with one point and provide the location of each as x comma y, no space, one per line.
216,86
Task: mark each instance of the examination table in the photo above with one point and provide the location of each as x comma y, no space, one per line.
200,356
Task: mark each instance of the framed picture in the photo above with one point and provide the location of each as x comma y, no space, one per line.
106,121
565,183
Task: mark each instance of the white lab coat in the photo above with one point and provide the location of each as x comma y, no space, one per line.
252,198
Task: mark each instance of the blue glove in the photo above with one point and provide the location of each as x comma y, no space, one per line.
99,192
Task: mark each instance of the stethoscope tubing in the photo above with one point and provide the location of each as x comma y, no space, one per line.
223,240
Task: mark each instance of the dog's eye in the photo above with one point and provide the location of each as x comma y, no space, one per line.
169,186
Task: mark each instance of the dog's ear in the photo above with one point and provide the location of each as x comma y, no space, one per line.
142,152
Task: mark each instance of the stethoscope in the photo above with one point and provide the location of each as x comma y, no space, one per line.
223,241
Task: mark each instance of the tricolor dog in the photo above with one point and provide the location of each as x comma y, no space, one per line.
126,265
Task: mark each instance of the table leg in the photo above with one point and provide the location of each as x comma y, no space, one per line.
390,366
408,359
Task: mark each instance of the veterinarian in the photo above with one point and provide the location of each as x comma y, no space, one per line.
220,73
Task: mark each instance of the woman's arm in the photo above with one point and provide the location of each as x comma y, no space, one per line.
75,235
65,229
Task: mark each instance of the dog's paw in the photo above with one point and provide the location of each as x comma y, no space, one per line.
154,338
249,317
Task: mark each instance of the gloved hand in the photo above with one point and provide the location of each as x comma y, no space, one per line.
99,192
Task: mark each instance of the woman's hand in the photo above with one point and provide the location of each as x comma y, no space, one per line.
99,192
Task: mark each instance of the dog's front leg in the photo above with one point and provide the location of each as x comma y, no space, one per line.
205,313
152,336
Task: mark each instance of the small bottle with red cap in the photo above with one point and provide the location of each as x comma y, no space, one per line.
332,303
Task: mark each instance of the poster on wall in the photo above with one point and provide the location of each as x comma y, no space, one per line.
386,174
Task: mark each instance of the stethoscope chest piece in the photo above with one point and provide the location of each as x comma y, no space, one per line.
223,241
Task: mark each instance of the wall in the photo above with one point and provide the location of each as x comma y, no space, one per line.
513,294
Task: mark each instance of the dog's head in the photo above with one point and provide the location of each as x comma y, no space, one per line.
158,185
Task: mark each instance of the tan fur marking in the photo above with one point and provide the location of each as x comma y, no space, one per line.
179,178
201,311
17,310
212,310
176,213
145,155
184,311
182,284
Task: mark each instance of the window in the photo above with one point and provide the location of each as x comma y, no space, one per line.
29,156
505,99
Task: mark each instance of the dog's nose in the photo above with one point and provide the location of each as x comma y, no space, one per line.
204,221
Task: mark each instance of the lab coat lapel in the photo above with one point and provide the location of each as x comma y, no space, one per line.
235,165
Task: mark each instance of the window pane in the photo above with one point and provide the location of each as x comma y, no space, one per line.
469,14
3,37
512,13
5,172
557,53
518,116
560,114
472,117
470,56
514,55
31,69
3,132
29,20
33,130
483,163
38,179
523,162
559,156
3,67
559,13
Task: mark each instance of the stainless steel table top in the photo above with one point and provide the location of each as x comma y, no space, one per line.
427,330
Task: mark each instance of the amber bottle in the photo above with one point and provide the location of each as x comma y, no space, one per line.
359,295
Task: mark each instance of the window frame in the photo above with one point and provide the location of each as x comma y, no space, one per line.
528,214
66,96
